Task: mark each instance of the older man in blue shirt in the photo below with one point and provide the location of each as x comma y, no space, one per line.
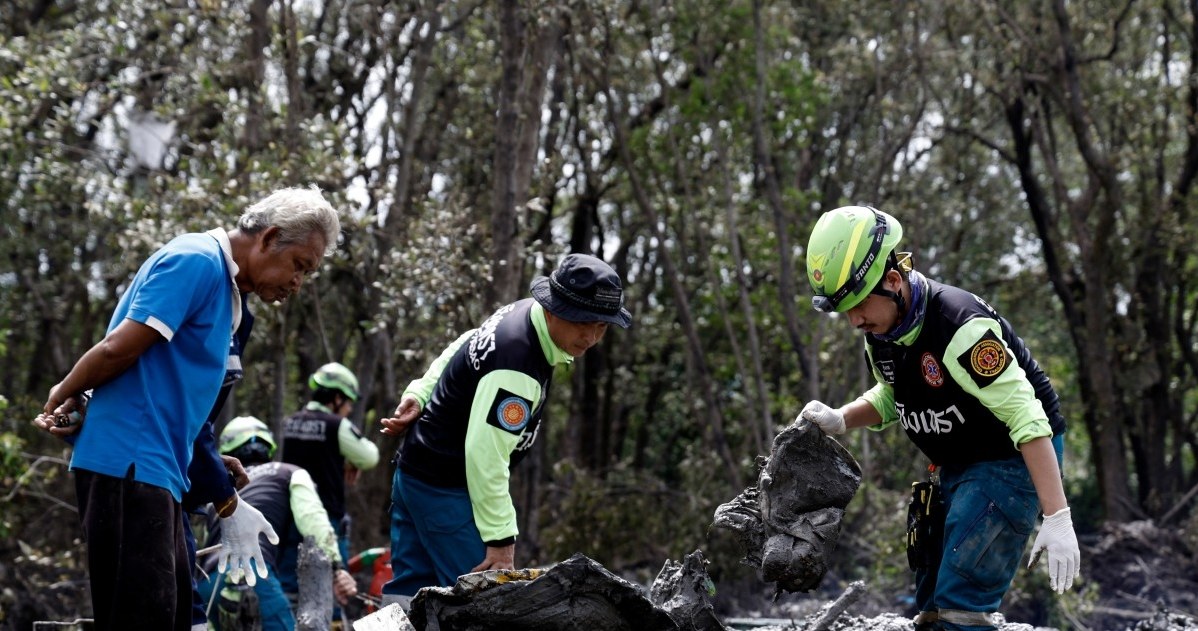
156,375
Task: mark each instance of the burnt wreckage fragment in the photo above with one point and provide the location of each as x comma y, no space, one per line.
788,524
577,593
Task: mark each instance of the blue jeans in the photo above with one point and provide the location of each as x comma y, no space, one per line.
273,608
991,511
433,536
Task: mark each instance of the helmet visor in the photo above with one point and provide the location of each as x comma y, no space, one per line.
828,304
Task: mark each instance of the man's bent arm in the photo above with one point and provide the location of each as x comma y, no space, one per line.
106,360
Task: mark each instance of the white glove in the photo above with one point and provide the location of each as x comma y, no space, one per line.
1057,538
830,420
239,541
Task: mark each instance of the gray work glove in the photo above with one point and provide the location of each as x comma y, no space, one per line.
830,420
239,542
1056,537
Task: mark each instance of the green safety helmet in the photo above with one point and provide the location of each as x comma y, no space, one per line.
847,255
242,430
334,376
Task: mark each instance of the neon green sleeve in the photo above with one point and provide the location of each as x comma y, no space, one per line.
489,448
310,516
998,381
357,449
422,388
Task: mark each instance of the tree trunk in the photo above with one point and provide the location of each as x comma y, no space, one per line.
525,52
711,415
787,293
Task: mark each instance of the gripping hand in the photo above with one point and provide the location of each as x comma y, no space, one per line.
830,420
1056,537
239,541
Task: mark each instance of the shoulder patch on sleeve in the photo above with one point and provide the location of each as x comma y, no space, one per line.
986,359
509,412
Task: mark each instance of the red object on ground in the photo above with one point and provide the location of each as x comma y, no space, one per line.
379,562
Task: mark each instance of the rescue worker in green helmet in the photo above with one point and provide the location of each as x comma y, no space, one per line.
964,387
324,441
286,496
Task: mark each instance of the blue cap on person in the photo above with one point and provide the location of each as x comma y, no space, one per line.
583,289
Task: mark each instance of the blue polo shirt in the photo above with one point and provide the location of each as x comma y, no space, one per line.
149,416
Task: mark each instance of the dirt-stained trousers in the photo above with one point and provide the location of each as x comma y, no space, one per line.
991,510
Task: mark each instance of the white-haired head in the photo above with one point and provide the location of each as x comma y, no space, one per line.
297,213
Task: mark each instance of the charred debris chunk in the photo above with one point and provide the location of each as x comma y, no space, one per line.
788,524
577,593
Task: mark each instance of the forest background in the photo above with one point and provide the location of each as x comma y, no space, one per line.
1040,154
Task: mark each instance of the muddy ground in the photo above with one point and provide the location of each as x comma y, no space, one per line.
1135,576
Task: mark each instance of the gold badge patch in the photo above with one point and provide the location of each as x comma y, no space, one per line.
988,358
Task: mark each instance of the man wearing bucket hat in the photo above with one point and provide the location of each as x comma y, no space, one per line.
475,413
964,387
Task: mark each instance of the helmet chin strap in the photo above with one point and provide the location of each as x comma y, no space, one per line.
897,297
901,304
910,307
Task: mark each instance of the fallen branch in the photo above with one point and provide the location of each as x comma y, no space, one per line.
850,597
1177,507
1077,624
1121,613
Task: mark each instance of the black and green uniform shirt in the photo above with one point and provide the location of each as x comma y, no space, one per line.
321,442
482,402
962,385
286,497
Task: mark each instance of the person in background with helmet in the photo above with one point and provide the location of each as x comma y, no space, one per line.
953,374
323,441
287,497
476,413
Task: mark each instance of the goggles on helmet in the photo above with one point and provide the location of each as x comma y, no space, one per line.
828,304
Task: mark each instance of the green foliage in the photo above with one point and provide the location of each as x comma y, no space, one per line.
12,465
12,468
630,521
872,546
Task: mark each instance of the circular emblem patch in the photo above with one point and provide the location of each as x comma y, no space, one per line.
818,275
988,358
512,414
931,370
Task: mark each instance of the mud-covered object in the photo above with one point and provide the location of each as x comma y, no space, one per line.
684,590
897,622
315,575
1168,621
577,593
788,524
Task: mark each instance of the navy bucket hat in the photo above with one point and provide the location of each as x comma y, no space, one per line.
583,289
